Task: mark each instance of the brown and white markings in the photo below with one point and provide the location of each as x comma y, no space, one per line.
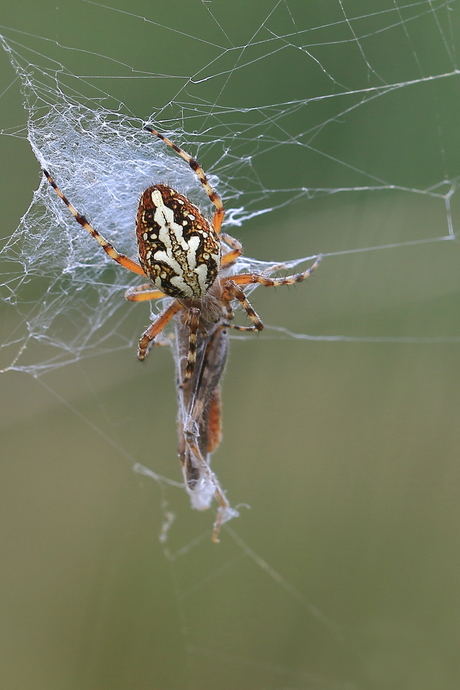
188,258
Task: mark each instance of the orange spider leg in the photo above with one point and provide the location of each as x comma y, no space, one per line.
142,293
234,292
237,249
251,278
156,327
106,246
198,170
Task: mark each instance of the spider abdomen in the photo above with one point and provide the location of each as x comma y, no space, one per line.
178,249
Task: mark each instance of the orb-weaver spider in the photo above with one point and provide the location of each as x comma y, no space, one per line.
186,257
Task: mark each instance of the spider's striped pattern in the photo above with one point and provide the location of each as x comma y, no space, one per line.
185,253
186,257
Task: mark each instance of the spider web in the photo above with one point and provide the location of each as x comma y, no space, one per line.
100,156
292,113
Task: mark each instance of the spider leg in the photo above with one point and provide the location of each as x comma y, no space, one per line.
232,291
250,278
244,328
106,246
193,324
237,249
229,310
198,170
141,293
146,341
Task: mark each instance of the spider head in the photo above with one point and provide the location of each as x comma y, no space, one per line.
178,249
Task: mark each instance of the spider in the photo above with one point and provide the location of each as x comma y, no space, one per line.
186,257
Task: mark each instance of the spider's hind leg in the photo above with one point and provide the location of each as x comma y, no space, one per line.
199,172
106,246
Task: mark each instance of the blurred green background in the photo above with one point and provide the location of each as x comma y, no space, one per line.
344,571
